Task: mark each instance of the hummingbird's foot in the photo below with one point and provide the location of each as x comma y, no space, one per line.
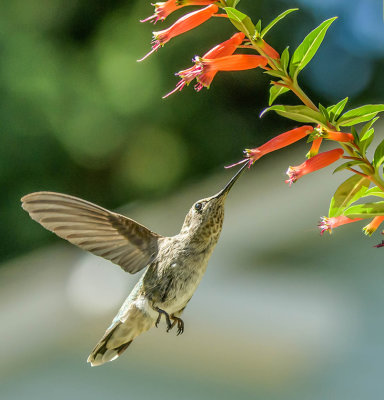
180,324
167,319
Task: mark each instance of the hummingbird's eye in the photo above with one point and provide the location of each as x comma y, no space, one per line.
198,206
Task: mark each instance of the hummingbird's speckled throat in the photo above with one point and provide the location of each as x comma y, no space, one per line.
175,264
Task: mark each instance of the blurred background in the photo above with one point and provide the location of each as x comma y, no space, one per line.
282,313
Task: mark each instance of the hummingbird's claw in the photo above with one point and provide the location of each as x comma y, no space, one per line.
180,324
167,319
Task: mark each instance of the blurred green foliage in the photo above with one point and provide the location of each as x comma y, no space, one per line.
79,115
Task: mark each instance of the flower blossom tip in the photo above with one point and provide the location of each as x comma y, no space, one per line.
373,225
326,224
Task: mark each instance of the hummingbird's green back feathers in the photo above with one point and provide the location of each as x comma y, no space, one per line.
95,229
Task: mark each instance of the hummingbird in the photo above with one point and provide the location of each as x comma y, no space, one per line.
175,264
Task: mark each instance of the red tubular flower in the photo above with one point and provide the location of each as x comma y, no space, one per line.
182,25
238,62
226,48
205,70
327,224
278,142
315,163
163,9
315,147
373,225
339,136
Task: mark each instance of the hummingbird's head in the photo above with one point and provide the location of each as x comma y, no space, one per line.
205,218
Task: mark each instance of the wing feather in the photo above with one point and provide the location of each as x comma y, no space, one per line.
104,233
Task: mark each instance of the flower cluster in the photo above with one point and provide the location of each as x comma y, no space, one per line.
219,58
319,123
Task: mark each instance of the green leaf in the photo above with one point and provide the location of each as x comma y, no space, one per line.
355,135
278,74
324,111
378,157
258,27
360,114
366,128
347,193
375,191
232,3
367,210
241,21
337,109
348,164
308,48
297,113
366,140
275,91
368,134
284,59
276,20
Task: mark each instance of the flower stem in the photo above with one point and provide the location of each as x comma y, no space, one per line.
294,86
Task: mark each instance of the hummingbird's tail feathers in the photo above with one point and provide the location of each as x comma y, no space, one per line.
120,335
104,233
108,349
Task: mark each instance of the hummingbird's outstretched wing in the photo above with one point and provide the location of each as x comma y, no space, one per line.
90,227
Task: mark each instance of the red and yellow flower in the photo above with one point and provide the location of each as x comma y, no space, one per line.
315,163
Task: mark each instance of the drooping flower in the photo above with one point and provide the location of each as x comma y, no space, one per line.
226,48
315,163
205,69
327,224
237,62
182,25
373,225
163,9
278,142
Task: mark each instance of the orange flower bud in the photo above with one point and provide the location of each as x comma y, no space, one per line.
315,147
339,136
373,225
267,49
315,163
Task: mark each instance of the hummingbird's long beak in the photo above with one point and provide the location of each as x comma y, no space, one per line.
229,185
